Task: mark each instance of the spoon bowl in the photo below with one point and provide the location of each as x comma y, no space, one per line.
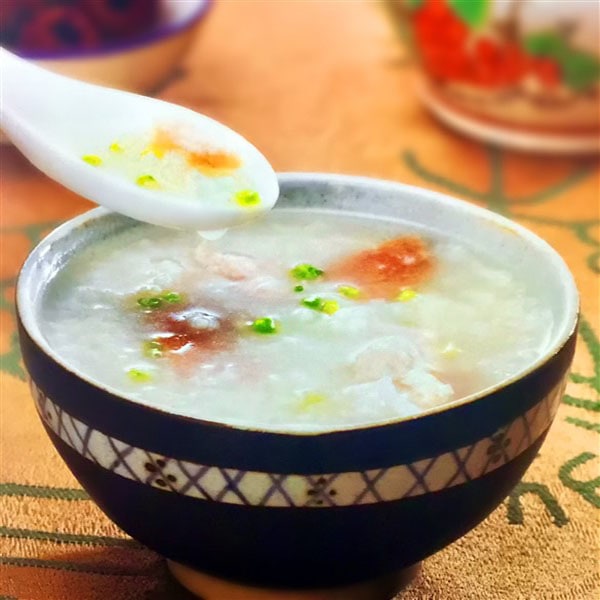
55,121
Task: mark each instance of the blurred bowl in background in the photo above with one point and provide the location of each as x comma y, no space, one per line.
136,62
139,62
518,73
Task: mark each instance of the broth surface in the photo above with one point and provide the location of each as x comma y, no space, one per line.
304,320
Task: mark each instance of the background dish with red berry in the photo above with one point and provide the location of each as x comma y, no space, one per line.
516,72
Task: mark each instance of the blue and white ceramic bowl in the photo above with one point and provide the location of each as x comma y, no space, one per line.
304,511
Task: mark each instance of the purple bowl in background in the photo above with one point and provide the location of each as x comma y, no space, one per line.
138,63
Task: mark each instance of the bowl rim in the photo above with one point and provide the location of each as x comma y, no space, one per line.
147,38
26,313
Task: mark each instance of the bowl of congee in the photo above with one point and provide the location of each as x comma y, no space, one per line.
315,401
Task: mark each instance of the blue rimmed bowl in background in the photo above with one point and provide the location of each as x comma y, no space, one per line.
138,62
276,514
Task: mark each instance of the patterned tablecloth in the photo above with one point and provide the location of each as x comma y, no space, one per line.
322,86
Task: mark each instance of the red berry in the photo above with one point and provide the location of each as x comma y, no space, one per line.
424,27
437,9
513,64
485,75
455,32
487,51
547,71
457,66
444,42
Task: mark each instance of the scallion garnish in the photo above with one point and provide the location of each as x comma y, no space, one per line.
92,159
306,272
328,307
311,399
139,376
349,291
154,302
451,350
147,181
152,349
171,297
247,198
406,295
150,303
314,303
264,325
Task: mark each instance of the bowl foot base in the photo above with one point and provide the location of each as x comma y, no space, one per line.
208,587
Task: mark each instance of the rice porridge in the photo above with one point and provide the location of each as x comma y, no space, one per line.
306,320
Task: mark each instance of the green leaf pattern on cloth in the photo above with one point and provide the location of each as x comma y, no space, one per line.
496,198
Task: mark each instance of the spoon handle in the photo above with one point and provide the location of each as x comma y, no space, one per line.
32,104
23,86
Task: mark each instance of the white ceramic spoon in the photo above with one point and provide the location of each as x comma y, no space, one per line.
54,121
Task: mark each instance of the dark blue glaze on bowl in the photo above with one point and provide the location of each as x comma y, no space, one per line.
305,510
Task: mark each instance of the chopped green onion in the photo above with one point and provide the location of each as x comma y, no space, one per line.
451,351
171,297
311,399
92,159
299,288
150,303
247,198
139,376
314,303
306,272
152,349
406,295
147,181
264,325
115,147
329,307
349,291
